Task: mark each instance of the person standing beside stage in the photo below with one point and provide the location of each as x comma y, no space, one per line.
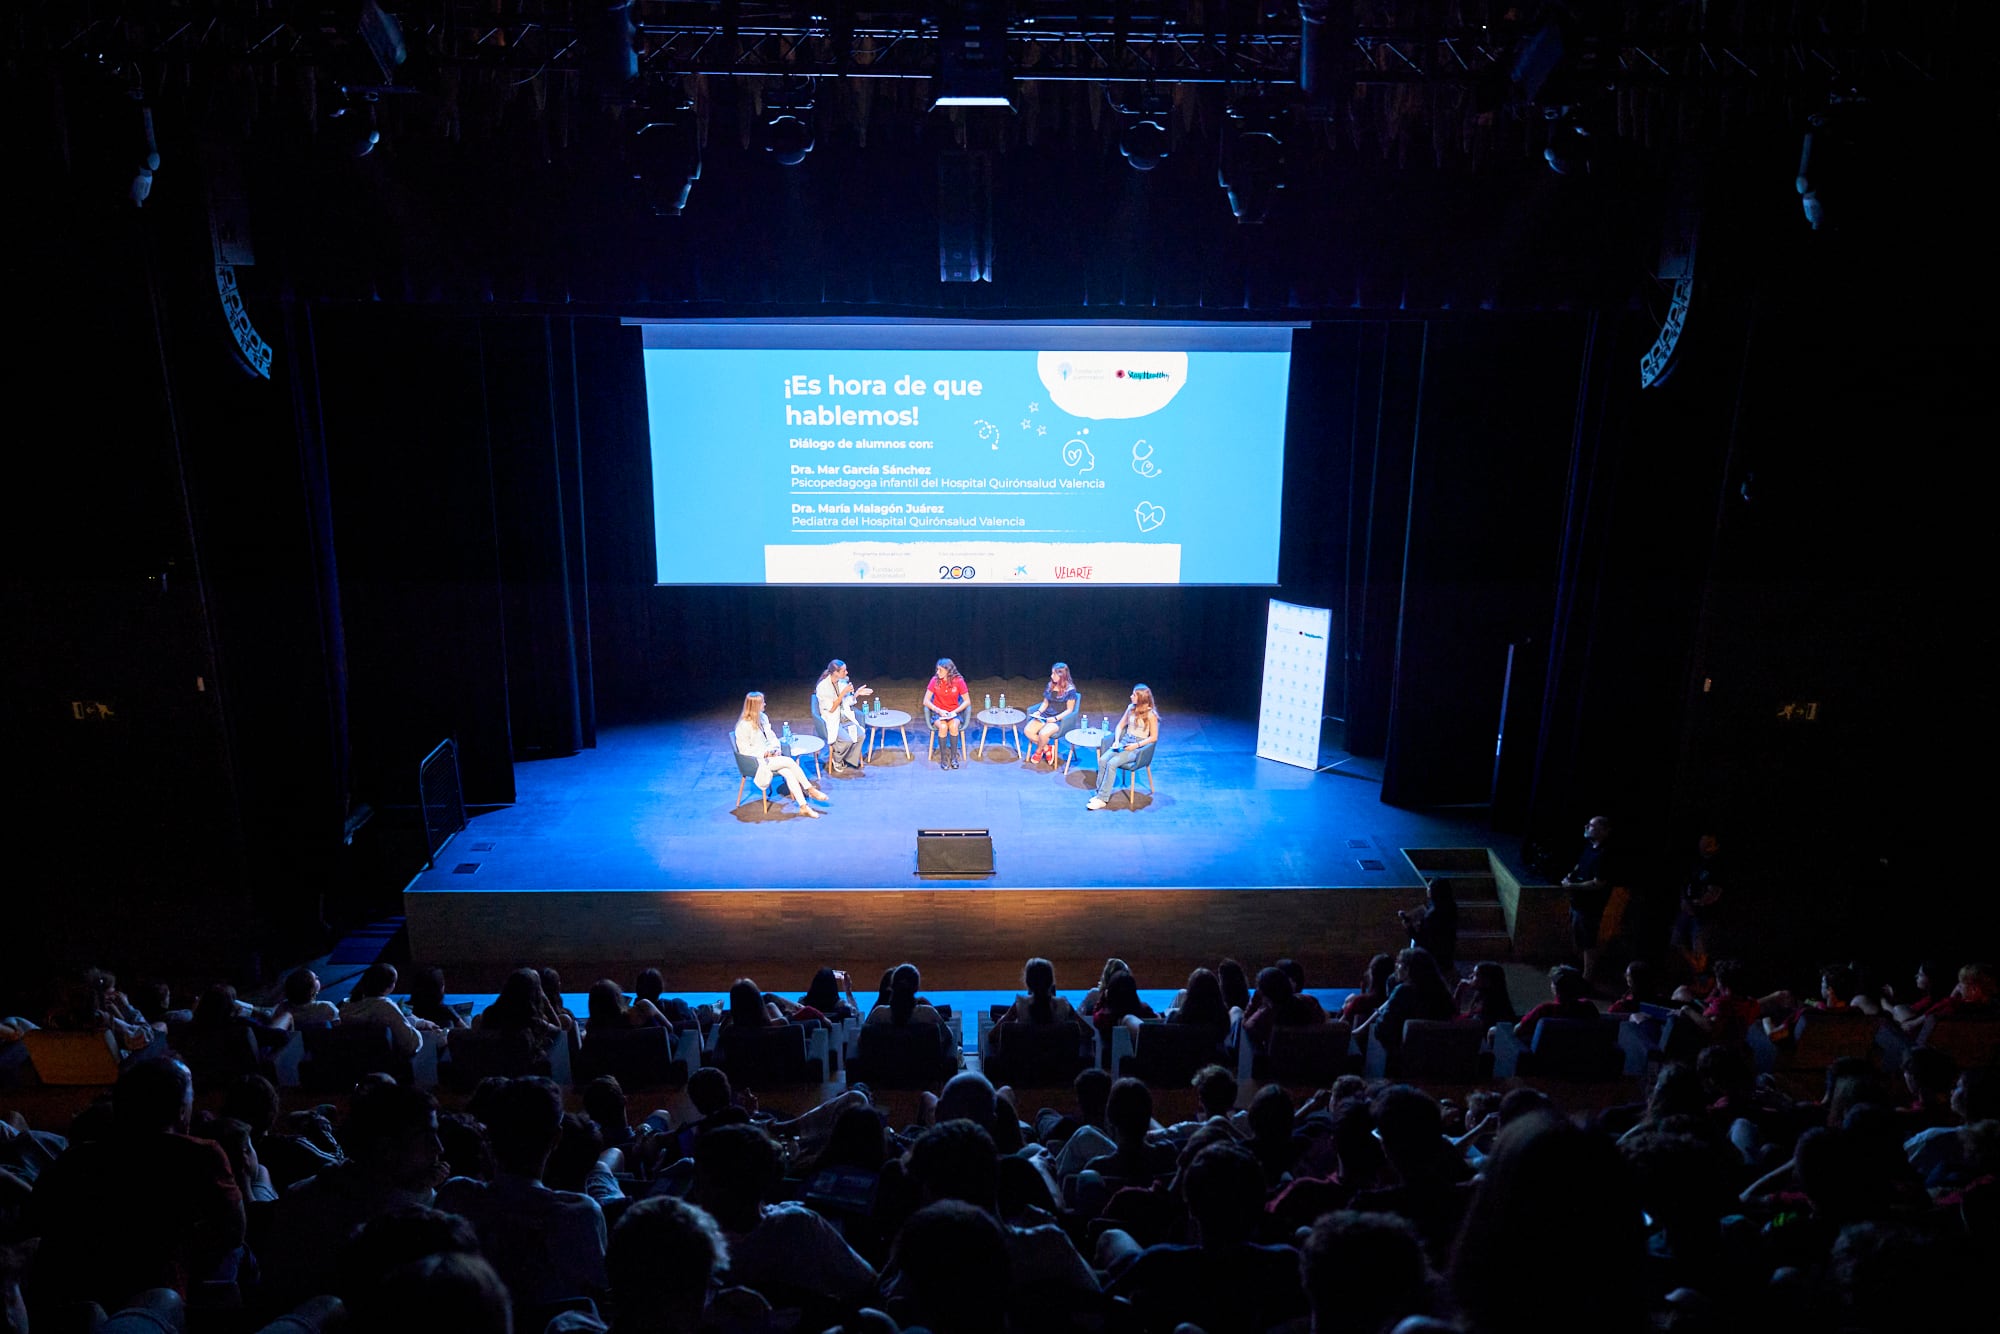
836,696
755,738
1138,728
950,699
1590,883
1045,724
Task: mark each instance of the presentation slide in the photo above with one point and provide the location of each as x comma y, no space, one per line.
966,452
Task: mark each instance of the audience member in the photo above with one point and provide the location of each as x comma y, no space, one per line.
665,1260
1276,1005
1730,1010
1567,991
608,1011
1137,1157
301,1006
956,1160
832,994
1201,1002
1554,1231
1430,1176
427,1000
1419,993
951,1261
1483,998
393,1161
1225,1283
1433,924
1642,988
1363,1273
1375,984
523,1011
369,1004
906,1006
148,1206
548,1245
782,1250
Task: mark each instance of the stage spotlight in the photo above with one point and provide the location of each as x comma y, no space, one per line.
1252,168
350,125
1572,148
610,60
666,154
972,55
787,132
1144,144
788,139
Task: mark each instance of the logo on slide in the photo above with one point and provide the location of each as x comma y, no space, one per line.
1149,515
861,569
1077,451
1106,386
1142,459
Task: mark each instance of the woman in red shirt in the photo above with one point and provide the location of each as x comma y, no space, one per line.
948,700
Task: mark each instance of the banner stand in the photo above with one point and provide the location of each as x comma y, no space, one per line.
1293,705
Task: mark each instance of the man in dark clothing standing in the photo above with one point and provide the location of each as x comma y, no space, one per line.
1590,883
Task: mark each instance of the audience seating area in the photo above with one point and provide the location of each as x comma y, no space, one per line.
1118,1168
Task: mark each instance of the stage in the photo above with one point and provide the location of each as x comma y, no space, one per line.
635,853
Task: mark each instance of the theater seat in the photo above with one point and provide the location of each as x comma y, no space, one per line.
1167,1055
1820,1039
70,1059
770,1057
636,1057
908,1057
1315,1055
1445,1051
338,1055
1037,1055
1580,1049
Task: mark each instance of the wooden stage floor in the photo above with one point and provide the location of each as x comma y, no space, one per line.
633,853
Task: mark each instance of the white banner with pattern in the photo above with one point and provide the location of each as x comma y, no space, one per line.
1294,701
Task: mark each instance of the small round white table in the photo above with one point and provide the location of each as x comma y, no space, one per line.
1090,738
806,747
1007,720
879,723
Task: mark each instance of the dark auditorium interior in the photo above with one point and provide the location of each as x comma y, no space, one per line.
383,952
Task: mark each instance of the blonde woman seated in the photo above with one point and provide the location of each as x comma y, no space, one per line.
1138,728
755,738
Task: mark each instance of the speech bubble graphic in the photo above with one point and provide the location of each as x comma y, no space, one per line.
1149,515
1142,459
1105,386
1077,451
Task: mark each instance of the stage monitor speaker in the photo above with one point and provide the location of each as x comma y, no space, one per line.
954,852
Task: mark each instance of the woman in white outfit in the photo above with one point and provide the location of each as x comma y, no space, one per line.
754,737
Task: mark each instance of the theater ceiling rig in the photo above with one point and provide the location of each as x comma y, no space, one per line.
1351,43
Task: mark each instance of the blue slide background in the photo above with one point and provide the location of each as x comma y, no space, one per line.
722,459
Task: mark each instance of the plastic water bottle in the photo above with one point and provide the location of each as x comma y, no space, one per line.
1003,699
989,703
788,733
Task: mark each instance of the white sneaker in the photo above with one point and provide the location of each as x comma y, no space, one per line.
1095,804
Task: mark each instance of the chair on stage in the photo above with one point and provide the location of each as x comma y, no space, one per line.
746,765
1130,776
931,717
908,1056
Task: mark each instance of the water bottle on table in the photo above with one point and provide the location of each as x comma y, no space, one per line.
1003,699
989,703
